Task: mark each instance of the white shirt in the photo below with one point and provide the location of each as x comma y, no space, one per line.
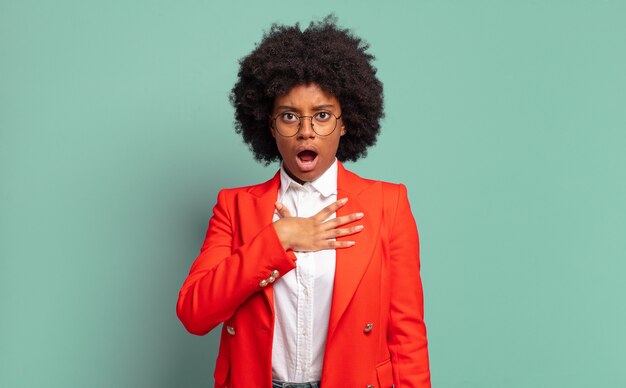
302,297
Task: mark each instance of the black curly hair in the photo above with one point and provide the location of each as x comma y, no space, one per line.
324,54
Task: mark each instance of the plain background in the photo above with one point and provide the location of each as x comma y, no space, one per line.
505,120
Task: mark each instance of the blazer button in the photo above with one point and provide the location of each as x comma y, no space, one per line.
271,279
370,386
230,330
275,273
368,327
263,283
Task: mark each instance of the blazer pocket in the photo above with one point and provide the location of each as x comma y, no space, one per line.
384,373
222,367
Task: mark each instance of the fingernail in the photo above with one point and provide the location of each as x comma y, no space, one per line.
359,227
359,215
278,205
344,200
351,243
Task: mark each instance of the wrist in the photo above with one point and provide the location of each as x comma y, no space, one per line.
282,234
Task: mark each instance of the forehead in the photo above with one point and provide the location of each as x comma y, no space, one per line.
306,95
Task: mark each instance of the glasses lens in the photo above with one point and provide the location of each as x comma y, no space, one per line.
287,124
324,123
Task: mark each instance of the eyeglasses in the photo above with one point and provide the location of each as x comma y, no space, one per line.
288,124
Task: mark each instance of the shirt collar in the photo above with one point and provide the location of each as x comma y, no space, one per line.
326,184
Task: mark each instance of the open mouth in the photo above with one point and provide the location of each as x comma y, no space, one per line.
307,160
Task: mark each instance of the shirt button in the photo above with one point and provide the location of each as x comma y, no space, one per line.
230,330
368,327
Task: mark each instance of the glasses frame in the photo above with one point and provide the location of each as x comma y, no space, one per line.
337,118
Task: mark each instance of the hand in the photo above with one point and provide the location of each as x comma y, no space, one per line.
315,233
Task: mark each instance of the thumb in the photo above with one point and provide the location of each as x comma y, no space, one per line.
282,210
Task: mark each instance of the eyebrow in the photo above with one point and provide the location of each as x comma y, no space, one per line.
317,107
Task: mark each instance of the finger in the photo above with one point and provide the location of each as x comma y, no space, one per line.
282,210
335,222
332,244
330,209
334,233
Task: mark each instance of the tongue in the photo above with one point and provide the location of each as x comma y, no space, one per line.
307,156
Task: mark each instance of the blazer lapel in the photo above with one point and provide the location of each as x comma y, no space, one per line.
256,211
351,263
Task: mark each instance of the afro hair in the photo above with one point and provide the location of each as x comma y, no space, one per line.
323,54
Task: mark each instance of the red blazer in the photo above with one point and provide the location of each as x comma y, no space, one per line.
376,333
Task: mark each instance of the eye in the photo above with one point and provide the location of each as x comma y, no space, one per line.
288,117
322,116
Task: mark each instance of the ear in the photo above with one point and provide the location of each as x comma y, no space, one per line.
271,127
343,129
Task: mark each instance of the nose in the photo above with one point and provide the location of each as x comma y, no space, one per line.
306,127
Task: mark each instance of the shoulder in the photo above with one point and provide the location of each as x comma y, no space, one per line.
258,189
389,188
390,196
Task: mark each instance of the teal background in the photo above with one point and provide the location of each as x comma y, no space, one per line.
504,119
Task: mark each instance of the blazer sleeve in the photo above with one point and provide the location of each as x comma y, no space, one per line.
224,275
407,332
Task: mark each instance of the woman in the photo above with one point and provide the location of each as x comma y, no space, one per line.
314,273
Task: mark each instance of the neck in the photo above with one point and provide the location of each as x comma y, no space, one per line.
295,178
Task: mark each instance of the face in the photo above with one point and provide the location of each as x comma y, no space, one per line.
307,155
